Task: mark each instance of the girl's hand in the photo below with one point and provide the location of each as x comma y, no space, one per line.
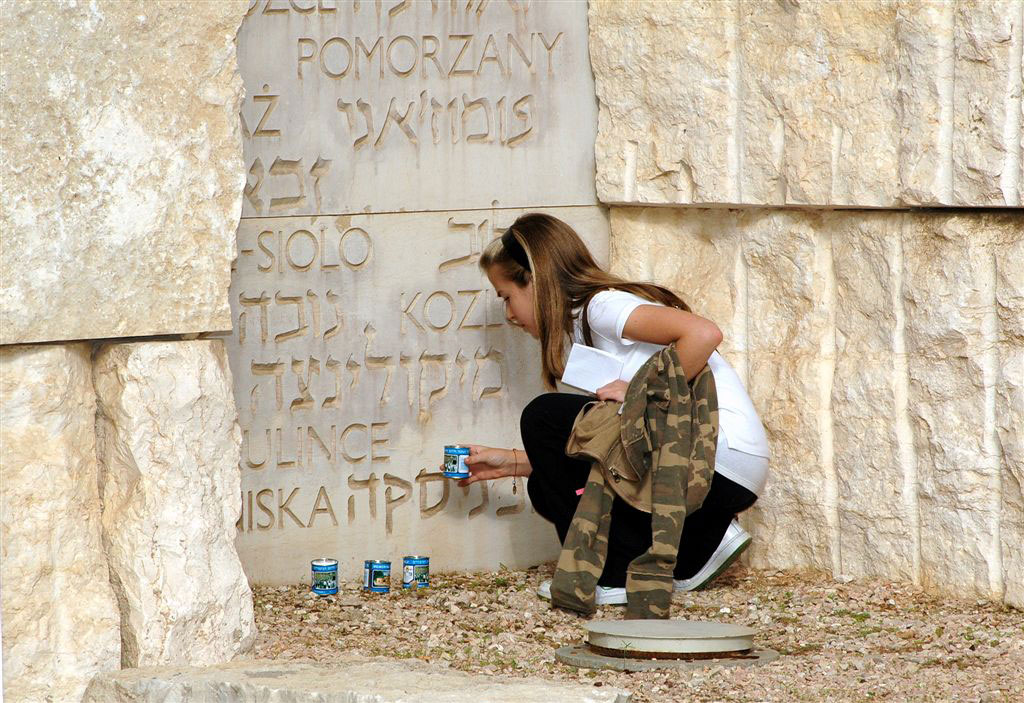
616,390
487,463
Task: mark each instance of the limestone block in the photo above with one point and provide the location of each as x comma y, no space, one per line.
353,368
168,444
925,79
651,87
346,681
1009,412
791,363
949,294
60,619
697,254
816,112
874,104
1010,427
121,167
877,534
792,520
987,164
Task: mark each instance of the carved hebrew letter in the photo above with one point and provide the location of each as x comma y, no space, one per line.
370,484
263,302
519,507
399,118
473,230
484,498
305,399
463,363
468,106
333,401
275,369
437,108
423,478
521,111
318,171
410,384
353,367
252,189
334,299
428,395
283,167
391,503
493,356
367,111
314,307
300,309
378,362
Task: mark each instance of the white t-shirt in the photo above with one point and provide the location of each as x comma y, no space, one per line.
737,419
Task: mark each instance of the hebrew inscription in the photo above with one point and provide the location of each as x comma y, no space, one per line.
361,345
387,105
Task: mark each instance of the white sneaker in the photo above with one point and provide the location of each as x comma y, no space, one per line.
603,595
736,539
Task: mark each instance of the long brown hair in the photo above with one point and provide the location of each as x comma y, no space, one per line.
565,277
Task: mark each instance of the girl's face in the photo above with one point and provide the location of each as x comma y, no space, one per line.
518,301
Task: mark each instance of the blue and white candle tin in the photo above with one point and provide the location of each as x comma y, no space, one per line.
324,576
455,461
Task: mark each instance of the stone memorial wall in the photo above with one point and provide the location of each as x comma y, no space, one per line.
386,143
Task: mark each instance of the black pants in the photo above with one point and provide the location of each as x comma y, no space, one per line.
546,424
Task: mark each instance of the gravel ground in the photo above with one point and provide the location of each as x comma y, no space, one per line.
857,641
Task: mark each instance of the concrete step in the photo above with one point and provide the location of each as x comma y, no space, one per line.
354,681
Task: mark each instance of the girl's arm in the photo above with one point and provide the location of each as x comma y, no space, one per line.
695,337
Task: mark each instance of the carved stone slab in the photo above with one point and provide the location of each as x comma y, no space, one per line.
362,345
403,106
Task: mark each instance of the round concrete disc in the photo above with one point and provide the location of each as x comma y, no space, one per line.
580,655
669,636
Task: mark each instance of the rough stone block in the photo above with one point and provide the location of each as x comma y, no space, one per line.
60,619
1009,409
791,522
168,444
348,681
650,85
817,121
696,253
874,104
877,534
121,166
1010,427
949,296
987,129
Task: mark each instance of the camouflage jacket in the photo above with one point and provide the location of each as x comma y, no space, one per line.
668,431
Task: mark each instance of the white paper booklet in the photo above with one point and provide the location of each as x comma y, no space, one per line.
588,368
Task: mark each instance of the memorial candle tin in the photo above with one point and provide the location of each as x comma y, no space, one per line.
455,461
324,576
380,577
416,572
